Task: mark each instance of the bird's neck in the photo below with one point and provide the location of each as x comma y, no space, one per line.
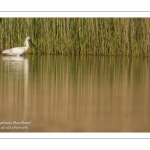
26,45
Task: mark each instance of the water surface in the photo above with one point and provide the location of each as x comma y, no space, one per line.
74,94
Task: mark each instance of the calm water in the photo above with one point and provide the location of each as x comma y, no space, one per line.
75,94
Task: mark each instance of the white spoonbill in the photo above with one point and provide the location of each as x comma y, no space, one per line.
18,50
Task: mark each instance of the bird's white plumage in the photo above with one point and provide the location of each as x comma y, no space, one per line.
18,50
14,51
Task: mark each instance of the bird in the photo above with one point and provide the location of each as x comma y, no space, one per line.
18,51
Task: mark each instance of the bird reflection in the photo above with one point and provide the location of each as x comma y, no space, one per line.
16,63
13,58
17,68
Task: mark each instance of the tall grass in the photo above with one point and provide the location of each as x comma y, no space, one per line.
97,36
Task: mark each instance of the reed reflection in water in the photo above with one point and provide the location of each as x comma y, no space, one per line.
72,93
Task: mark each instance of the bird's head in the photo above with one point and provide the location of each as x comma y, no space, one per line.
29,39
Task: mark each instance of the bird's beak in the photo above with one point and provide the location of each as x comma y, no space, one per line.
31,42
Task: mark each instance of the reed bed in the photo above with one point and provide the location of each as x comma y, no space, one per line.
77,36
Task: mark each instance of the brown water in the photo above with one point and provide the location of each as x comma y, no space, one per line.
75,94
